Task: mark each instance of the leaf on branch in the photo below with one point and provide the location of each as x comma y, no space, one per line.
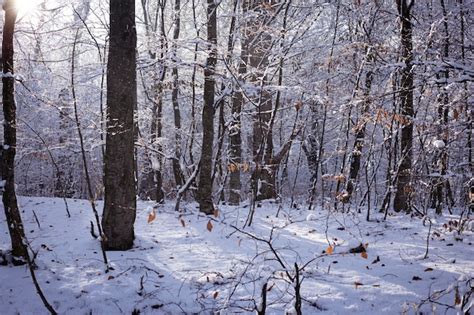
298,105
151,216
232,168
209,226
364,255
329,250
270,287
457,296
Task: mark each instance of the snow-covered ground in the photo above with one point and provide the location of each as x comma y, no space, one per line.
189,263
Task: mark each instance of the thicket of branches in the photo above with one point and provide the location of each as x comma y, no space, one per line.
310,100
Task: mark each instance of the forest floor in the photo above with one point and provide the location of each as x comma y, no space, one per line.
190,263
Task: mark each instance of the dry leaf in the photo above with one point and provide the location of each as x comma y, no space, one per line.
329,250
216,212
209,226
457,296
298,105
364,255
215,295
110,278
182,222
270,287
232,168
455,114
152,216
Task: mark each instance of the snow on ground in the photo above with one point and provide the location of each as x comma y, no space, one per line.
190,263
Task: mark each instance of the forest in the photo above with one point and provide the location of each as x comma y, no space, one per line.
237,157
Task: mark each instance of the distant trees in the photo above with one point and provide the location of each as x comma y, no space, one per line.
119,161
348,83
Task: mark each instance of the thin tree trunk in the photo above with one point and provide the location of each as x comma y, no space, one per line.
235,129
177,171
206,204
8,152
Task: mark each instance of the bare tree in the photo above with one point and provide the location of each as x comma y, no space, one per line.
8,152
119,162
206,204
402,196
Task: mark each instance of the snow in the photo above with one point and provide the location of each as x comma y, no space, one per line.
185,268
439,144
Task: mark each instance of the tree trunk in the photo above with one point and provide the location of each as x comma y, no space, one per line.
404,189
119,177
206,204
178,173
12,213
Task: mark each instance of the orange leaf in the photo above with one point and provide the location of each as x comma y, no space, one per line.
209,226
329,250
152,216
216,212
364,255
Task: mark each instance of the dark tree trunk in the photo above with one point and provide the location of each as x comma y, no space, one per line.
235,132
178,173
119,176
402,196
206,204
256,58
235,138
360,128
8,152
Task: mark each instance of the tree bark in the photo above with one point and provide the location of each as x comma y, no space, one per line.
119,177
178,173
206,204
402,195
8,151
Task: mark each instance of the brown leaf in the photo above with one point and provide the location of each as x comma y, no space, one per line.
216,212
329,250
457,296
215,294
209,226
455,114
232,168
364,255
182,222
270,287
110,278
428,269
298,105
151,216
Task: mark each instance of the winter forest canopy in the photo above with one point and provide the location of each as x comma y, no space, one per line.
279,153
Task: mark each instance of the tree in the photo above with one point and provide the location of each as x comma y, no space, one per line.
8,151
401,201
119,161
206,204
